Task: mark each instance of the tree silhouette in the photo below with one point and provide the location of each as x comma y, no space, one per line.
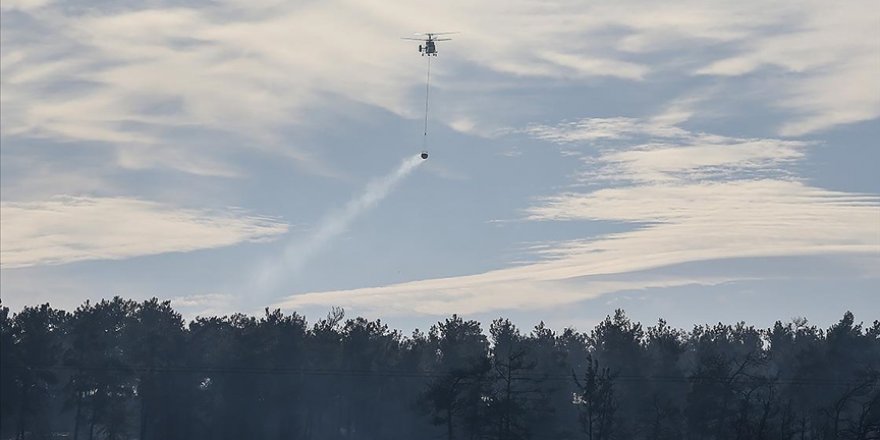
37,335
462,352
596,401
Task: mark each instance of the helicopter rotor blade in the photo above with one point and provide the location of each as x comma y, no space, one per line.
414,39
443,39
435,33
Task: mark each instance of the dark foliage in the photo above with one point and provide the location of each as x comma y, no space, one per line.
121,369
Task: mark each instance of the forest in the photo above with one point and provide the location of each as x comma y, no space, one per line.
122,369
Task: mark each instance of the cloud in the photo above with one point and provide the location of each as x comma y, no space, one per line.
595,129
205,304
706,158
210,81
201,299
688,197
498,290
581,65
831,60
717,220
67,229
23,5
670,153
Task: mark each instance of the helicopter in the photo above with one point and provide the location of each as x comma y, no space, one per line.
429,48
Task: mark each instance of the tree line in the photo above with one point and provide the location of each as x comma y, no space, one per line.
121,369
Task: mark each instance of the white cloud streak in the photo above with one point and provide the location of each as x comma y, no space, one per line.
673,154
832,52
205,304
23,5
68,229
498,290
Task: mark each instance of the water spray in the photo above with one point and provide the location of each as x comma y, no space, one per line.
298,252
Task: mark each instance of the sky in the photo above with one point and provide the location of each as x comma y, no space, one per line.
690,160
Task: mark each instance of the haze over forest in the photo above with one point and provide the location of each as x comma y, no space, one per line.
122,369
700,161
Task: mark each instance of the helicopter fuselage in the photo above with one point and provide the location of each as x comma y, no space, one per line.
428,49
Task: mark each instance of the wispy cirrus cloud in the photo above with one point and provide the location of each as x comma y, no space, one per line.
607,129
24,5
698,196
514,289
652,150
68,229
831,54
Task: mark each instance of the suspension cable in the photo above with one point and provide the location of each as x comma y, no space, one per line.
427,96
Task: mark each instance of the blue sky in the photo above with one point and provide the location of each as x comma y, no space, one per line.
696,161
